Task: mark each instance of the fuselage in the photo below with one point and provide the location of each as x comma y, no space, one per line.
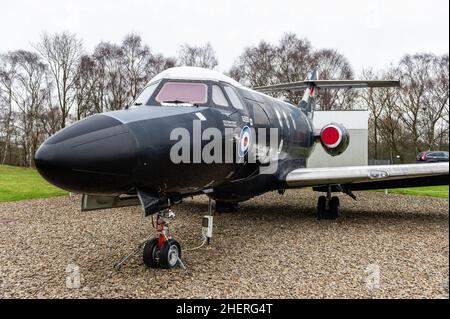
184,135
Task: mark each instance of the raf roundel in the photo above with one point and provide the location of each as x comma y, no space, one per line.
245,141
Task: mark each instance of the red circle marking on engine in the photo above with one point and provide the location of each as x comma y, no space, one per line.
245,141
330,135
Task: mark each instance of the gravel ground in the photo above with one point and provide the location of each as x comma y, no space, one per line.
273,247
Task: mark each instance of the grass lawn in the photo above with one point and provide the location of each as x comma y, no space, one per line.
18,183
433,191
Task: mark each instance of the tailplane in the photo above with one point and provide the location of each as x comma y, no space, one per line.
313,84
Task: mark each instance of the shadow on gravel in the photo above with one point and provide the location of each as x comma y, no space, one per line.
394,216
288,211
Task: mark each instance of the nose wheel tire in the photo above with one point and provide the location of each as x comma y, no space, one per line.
167,257
170,254
151,253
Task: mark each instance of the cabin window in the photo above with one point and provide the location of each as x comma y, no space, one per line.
218,96
260,116
234,98
145,95
182,92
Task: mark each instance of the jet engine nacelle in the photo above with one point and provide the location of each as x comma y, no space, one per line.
334,139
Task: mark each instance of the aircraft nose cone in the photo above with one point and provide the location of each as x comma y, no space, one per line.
95,155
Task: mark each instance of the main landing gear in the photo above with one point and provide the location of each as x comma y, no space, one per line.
162,251
328,206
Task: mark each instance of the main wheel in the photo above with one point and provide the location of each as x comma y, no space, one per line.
169,254
333,212
151,253
321,207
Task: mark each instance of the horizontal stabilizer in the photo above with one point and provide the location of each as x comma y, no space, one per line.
327,84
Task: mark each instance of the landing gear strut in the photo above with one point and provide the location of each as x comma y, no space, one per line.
162,251
328,206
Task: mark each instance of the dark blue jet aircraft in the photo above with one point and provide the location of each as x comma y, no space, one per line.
194,131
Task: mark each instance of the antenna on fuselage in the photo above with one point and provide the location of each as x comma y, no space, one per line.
308,102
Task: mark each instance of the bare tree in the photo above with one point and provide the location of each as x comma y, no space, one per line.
29,93
159,63
256,66
8,73
137,58
110,64
416,82
201,56
334,66
382,104
436,103
374,99
290,61
294,61
390,123
114,75
86,83
294,58
442,136
62,53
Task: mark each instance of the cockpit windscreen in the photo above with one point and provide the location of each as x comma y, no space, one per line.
183,92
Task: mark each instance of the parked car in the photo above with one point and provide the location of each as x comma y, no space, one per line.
432,157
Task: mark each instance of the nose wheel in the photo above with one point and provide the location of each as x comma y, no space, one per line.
162,251
165,256
151,253
169,254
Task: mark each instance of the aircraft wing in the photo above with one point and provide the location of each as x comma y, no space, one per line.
370,177
326,84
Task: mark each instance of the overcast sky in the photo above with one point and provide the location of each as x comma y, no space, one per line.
369,33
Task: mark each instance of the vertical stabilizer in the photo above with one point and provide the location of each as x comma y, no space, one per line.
308,102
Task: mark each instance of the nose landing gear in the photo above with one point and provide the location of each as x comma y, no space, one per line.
162,251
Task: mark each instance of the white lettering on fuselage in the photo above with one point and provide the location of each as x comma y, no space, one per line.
239,146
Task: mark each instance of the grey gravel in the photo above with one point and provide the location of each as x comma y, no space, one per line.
273,247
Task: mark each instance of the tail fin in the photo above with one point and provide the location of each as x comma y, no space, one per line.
308,102
313,84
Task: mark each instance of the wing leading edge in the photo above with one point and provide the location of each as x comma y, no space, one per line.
370,177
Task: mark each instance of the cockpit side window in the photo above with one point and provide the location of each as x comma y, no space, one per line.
234,98
145,96
218,97
183,92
